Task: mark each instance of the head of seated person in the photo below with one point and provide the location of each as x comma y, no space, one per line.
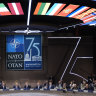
38,86
16,86
27,86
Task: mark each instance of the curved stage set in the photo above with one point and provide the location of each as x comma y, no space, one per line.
47,45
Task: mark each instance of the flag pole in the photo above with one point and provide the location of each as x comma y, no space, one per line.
29,12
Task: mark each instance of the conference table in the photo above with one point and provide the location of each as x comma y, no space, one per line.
22,92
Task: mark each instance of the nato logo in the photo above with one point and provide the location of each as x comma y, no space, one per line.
15,43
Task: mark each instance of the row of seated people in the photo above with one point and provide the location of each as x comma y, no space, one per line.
48,85
27,86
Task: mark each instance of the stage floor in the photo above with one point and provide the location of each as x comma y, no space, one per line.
45,93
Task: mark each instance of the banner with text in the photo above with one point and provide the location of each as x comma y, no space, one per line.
24,52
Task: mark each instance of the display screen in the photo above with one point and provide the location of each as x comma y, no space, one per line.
24,52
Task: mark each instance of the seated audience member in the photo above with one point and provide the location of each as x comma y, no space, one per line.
38,86
91,87
74,87
45,84
50,85
82,85
71,85
60,85
27,86
0,84
90,79
64,86
94,84
16,86
3,85
86,87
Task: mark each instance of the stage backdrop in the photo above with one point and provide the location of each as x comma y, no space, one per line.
24,52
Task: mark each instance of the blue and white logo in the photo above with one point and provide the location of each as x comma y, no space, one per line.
15,43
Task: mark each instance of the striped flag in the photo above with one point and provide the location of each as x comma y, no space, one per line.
89,19
55,9
4,10
16,8
85,13
78,11
90,23
41,8
68,10
89,16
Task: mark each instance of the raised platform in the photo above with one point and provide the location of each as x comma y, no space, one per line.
44,93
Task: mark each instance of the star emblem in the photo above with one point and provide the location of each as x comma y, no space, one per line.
15,43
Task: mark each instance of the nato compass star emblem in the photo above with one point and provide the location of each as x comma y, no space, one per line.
15,43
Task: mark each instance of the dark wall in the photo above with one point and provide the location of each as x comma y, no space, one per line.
59,52
56,54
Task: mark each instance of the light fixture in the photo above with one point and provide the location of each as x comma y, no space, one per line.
28,31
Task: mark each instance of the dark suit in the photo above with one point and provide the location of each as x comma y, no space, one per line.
16,87
3,87
27,87
51,87
38,87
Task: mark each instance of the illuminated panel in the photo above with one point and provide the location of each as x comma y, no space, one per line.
55,9
41,8
90,19
16,8
68,10
78,11
85,13
4,10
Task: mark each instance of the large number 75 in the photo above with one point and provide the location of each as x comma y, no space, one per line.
35,45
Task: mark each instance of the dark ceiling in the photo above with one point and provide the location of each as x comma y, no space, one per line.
53,21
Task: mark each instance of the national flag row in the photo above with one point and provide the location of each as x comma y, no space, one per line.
15,9
84,13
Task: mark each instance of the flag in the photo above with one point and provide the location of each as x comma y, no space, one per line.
68,10
41,8
78,11
55,9
4,10
16,8
89,16
86,13
90,23
89,19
